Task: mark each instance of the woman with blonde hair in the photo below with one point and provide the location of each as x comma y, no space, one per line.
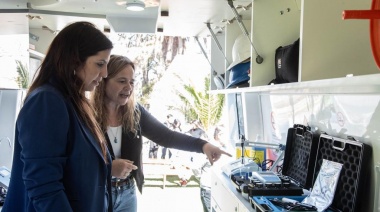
124,123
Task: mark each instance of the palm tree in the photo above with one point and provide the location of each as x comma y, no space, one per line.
23,75
200,105
155,54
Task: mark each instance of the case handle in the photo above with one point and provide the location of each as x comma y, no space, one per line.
351,138
338,145
300,131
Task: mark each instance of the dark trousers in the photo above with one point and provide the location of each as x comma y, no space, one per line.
163,155
153,153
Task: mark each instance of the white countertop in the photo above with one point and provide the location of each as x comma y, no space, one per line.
231,188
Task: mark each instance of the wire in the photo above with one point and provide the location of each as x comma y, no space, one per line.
266,162
279,168
254,158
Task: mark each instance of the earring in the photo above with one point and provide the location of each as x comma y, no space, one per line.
74,72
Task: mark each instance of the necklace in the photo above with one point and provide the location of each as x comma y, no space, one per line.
114,134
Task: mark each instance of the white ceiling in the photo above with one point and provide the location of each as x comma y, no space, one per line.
186,17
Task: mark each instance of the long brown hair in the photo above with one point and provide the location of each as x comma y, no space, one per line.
130,113
69,51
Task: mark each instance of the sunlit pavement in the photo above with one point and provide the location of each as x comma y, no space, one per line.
170,199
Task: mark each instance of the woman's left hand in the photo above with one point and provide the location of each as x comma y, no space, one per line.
121,168
213,152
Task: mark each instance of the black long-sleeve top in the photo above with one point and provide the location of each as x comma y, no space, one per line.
154,130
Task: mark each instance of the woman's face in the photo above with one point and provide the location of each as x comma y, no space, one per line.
94,69
120,87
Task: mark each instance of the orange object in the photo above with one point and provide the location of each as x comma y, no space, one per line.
374,25
361,14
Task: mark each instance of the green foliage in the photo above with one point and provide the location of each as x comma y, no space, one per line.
146,90
23,75
152,55
201,105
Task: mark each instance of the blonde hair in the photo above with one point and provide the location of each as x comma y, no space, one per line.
130,117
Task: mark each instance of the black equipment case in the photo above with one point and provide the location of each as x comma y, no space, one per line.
350,193
298,165
297,171
300,153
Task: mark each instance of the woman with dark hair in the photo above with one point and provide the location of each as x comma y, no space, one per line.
124,123
60,161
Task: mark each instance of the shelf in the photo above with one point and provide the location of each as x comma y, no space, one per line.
366,84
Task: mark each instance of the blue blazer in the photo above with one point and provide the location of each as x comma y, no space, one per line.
57,163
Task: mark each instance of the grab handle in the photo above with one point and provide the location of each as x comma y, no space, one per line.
360,14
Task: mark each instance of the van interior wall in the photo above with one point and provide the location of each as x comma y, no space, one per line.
340,115
330,49
338,47
274,24
329,46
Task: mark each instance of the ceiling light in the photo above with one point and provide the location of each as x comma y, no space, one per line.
135,5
